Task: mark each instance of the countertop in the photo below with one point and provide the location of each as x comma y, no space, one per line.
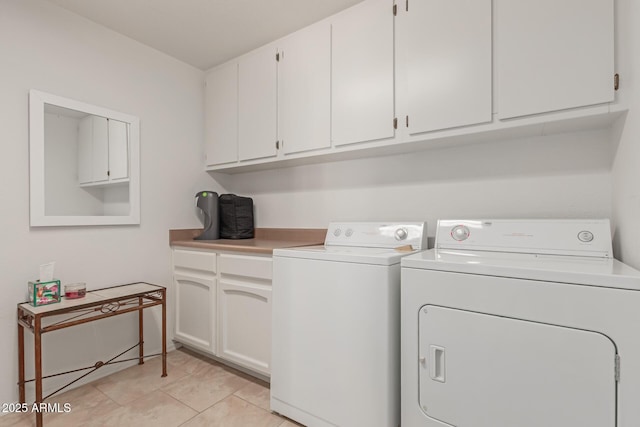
264,242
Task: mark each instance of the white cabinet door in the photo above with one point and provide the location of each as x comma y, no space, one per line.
118,150
553,55
257,104
100,156
244,311
194,277
85,151
304,85
195,311
103,151
362,66
221,121
448,63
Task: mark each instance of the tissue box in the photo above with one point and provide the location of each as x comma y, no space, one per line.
43,293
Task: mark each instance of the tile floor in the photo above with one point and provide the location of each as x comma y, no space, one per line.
196,392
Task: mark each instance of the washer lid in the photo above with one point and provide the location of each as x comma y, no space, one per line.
347,254
591,271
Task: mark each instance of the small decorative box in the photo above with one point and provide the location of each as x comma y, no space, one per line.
75,290
43,293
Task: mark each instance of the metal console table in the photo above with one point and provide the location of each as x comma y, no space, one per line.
98,304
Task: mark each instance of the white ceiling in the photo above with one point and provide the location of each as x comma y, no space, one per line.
204,33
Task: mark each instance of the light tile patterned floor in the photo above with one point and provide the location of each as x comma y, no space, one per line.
196,392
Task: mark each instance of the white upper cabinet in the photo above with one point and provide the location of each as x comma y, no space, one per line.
385,77
118,150
103,151
304,85
221,123
100,155
362,65
85,150
257,104
447,48
553,55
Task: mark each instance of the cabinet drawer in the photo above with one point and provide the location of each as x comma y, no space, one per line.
247,266
195,260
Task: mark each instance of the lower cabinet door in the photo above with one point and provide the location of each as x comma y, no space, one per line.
244,322
196,311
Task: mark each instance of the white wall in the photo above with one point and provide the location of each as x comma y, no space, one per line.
44,47
558,176
626,164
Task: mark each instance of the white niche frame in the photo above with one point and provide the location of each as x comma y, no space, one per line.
38,217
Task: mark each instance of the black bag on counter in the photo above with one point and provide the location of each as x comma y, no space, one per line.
236,217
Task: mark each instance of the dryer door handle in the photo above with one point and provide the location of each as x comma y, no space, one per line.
437,370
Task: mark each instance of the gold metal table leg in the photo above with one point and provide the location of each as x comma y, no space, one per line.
141,332
164,332
37,337
21,361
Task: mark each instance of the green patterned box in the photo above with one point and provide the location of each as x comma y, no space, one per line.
43,293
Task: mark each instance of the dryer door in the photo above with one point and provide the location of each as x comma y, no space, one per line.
479,370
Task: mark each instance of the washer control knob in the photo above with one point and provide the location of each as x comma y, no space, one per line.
585,236
337,232
460,233
348,233
401,233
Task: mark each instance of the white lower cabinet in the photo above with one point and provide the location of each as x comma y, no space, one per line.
244,311
244,321
195,311
194,278
223,305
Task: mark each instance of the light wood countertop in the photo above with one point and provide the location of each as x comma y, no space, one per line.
264,242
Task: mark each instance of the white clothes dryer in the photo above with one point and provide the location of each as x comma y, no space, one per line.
518,323
336,325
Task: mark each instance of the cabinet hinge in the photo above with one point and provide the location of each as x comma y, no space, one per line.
395,10
616,81
617,368
278,56
395,123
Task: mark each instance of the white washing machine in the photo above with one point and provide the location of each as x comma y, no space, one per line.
514,323
336,325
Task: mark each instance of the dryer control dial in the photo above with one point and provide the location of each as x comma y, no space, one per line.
460,233
401,233
585,236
